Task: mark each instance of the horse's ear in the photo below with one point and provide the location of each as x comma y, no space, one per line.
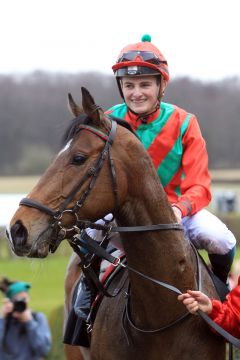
73,107
90,108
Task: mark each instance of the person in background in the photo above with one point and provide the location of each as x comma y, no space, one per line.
226,314
24,334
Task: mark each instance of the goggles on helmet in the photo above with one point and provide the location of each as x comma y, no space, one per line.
147,56
135,70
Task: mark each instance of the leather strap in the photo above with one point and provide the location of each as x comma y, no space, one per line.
37,205
155,227
230,338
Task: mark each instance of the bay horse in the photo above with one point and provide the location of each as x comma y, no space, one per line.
105,169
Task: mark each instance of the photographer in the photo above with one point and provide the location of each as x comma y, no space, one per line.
24,335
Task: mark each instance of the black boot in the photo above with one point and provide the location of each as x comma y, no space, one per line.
84,299
221,264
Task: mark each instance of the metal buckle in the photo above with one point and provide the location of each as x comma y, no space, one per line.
77,230
108,231
79,204
60,222
87,266
117,261
89,328
58,215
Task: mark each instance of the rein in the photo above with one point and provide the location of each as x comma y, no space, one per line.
87,224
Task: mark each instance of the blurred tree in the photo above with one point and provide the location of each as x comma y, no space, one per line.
34,159
34,114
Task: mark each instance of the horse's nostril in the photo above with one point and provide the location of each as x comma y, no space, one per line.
19,234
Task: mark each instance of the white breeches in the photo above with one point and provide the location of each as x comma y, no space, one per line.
208,232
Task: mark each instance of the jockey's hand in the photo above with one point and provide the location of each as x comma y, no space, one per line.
177,213
195,300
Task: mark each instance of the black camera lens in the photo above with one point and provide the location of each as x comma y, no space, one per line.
19,306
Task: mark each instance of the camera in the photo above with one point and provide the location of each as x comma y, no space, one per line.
19,305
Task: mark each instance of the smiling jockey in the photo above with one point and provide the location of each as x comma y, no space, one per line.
175,144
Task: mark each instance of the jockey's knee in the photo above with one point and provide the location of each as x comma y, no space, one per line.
208,232
221,241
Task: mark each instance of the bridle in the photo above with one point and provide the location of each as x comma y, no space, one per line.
60,231
91,175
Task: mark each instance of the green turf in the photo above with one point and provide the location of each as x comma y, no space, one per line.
45,275
47,292
17,184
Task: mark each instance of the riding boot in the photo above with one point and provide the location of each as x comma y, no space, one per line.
221,264
85,296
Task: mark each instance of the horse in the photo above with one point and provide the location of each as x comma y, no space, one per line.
104,169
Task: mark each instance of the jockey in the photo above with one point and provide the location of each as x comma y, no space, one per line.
175,144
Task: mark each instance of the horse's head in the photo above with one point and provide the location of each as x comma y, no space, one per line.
85,181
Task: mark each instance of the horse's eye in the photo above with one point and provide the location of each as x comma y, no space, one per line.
78,159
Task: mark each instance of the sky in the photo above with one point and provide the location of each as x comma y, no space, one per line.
198,38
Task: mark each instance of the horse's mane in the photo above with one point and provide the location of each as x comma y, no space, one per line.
73,128
123,123
84,120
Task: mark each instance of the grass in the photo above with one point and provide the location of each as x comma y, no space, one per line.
17,184
47,292
45,275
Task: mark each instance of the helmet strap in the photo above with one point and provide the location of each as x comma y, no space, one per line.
120,88
144,117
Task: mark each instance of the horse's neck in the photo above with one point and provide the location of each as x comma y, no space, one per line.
163,255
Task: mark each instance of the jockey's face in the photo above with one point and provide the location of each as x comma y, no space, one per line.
140,93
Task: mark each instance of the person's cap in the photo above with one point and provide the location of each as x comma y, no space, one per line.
16,288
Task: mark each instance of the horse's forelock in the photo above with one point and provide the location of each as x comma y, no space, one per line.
73,128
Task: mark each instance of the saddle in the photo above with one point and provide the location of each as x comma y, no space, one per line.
77,331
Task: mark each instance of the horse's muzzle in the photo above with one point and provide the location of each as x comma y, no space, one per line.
18,237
